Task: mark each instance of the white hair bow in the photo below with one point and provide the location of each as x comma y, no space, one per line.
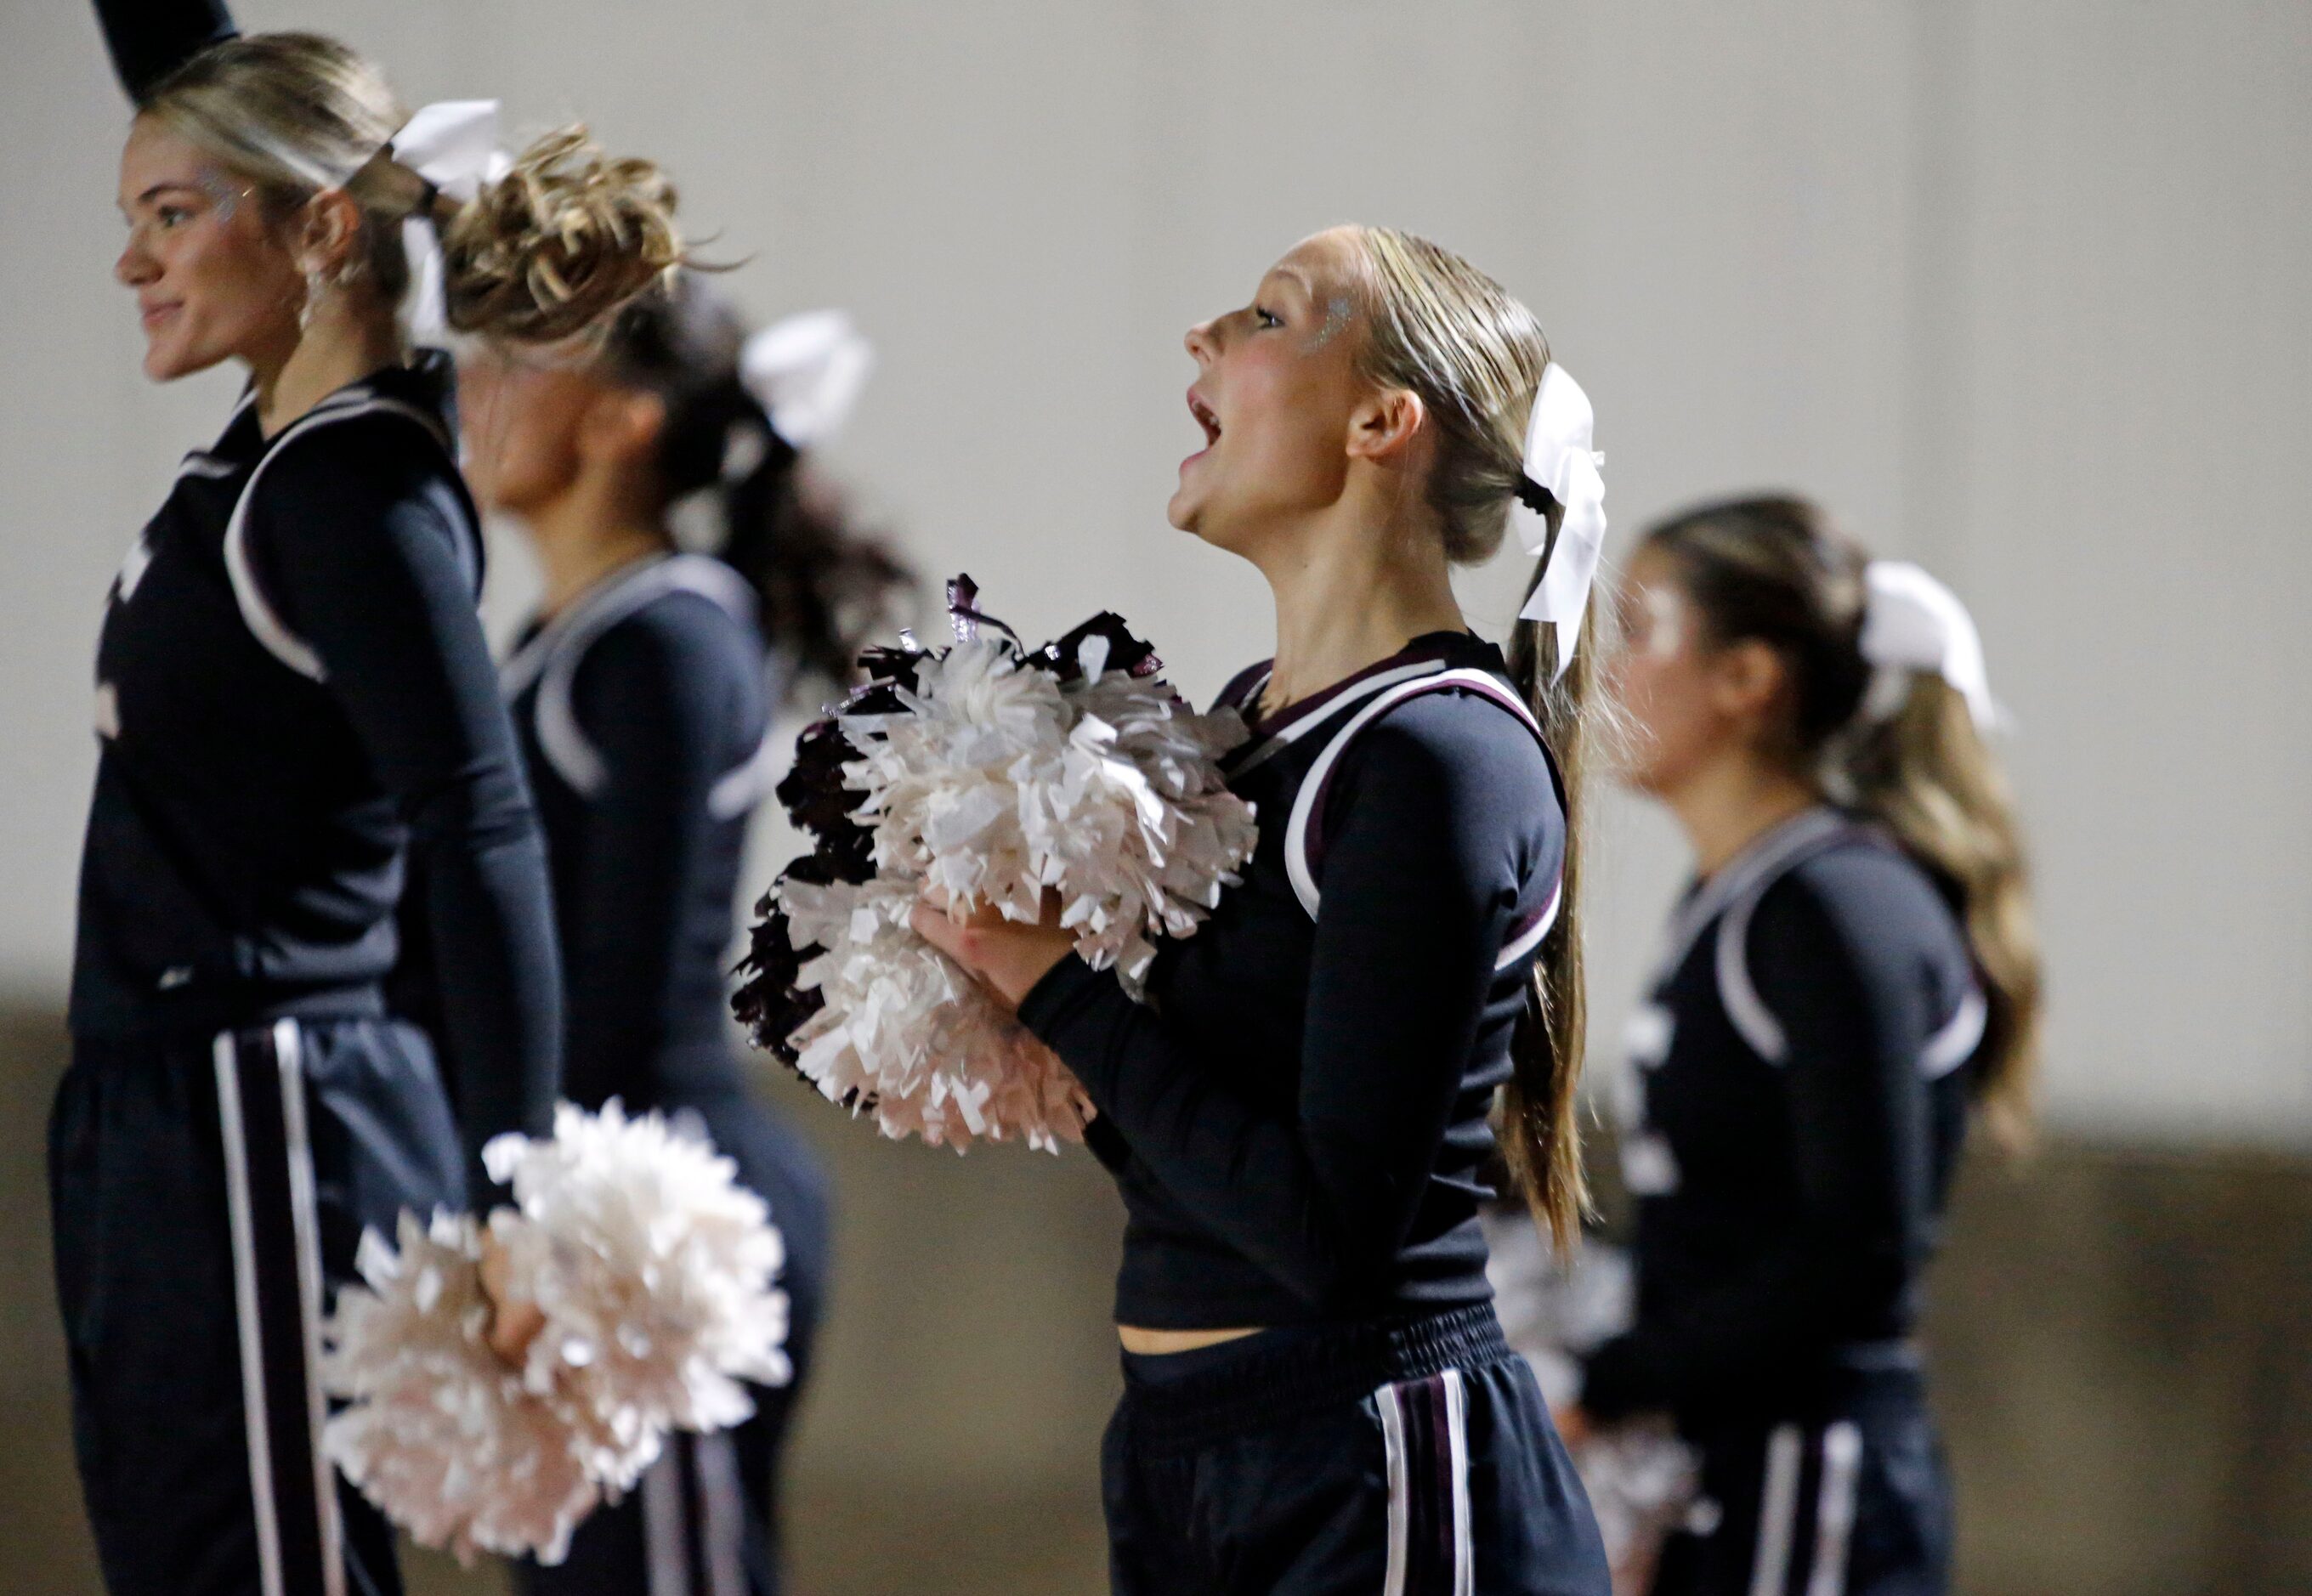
1913,622
1558,459
806,370
453,145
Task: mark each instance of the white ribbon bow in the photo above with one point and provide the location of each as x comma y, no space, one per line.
1558,457
1913,622
806,371
453,144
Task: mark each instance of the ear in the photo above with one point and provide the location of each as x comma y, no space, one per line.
330,233
1748,679
620,426
1383,426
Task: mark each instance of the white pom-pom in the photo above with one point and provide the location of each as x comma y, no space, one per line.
906,1035
654,1273
653,1269
441,1434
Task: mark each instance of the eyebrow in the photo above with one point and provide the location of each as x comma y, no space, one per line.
1299,276
164,187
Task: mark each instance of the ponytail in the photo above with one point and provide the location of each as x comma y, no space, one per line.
826,586
553,249
1926,774
1540,1108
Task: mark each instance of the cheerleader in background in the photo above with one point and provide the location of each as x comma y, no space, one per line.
1853,969
642,699
296,714
1317,1395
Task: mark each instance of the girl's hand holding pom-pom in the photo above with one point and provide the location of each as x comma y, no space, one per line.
1008,956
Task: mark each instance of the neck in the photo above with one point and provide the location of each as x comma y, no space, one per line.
348,336
584,536
1353,590
1730,804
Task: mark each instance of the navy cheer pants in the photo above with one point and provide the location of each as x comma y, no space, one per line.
1409,1458
207,1195
1847,1497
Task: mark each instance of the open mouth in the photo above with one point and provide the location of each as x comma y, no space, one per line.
1206,418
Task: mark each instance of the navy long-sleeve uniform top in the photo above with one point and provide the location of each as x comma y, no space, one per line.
295,703
1796,1108
1298,1118
642,710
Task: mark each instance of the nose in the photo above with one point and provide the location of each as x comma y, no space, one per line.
1202,342
135,268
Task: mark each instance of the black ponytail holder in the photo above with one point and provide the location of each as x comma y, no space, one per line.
1534,496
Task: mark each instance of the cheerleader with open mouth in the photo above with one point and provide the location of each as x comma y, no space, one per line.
642,699
1318,1396
1853,971
297,714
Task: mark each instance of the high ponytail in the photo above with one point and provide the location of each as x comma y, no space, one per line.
1541,1103
547,252
1926,774
1776,568
1444,330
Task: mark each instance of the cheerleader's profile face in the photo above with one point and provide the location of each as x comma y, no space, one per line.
1666,676
523,414
1276,395
214,278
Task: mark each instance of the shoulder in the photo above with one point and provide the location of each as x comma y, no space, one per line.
1460,740
349,464
1864,894
1859,915
676,638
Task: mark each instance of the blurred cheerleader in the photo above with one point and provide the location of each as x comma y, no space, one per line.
1853,969
1318,1396
643,702
297,713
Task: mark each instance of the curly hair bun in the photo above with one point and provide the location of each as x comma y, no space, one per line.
555,248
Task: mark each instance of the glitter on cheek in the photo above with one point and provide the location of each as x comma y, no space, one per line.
1337,312
1665,626
221,192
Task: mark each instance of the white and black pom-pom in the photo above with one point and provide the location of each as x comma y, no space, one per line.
995,775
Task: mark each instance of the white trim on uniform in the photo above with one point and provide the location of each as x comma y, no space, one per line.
304,1220
1400,1506
552,659
1778,1513
226,1055
1841,1465
1456,1436
1304,801
256,611
1284,737
1956,1043
666,1542
722,1513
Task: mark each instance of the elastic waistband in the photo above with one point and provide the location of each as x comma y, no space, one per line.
1310,1374
201,1016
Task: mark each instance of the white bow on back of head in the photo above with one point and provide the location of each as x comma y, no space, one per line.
806,371
1913,622
453,144
1558,457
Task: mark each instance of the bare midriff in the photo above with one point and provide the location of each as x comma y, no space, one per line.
1156,1343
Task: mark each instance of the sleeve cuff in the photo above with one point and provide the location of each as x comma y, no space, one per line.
1048,1001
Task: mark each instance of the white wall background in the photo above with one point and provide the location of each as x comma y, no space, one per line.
2019,290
